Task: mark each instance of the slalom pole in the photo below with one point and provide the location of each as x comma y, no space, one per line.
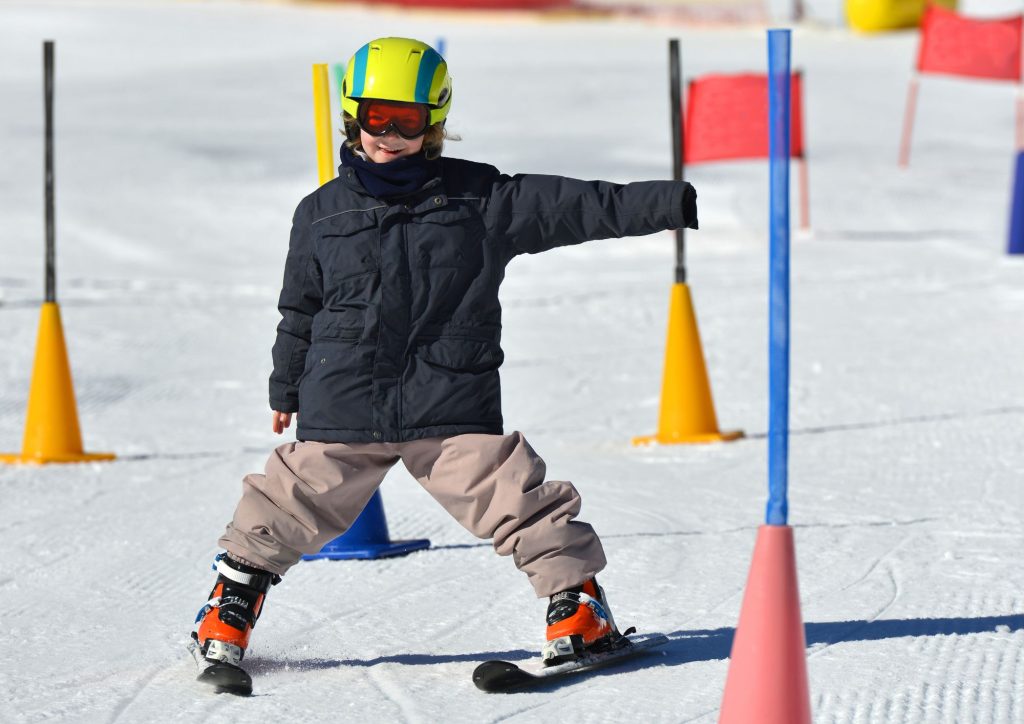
51,234
678,144
322,123
908,121
1015,242
804,183
52,433
767,680
1018,117
338,77
687,410
778,289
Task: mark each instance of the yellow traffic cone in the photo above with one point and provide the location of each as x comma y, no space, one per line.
51,428
687,411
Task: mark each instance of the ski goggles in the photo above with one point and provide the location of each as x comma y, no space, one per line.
378,118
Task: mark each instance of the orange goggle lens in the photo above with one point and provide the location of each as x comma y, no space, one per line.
377,118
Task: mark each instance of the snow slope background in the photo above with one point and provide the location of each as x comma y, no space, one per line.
184,141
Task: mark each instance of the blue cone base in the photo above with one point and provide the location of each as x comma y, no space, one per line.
367,538
367,551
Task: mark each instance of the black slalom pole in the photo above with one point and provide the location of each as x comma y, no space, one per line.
52,434
51,272
676,100
687,412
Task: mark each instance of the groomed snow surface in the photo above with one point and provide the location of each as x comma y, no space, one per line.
184,141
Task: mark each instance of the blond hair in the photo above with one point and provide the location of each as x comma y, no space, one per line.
433,138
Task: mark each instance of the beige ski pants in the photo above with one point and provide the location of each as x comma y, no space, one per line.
492,484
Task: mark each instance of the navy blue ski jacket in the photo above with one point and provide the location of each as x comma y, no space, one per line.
390,323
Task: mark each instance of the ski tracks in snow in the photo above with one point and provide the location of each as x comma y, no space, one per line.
881,563
122,706
394,692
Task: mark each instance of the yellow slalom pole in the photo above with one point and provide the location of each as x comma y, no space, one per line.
322,122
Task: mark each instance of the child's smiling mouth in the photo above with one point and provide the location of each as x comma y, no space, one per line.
390,151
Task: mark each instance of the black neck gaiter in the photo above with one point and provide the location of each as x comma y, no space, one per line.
393,179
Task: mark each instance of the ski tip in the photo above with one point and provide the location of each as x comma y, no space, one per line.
499,676
226,679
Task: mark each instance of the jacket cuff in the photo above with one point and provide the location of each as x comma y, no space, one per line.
688,207
284,405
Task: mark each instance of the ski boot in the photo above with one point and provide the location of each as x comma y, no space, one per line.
223,625
579,622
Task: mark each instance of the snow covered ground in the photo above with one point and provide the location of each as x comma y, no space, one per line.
184,140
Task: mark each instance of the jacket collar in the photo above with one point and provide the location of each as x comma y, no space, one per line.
401,180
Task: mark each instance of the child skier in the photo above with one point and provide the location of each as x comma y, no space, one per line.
388,349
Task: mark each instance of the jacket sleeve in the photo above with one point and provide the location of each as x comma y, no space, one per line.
301,298
534,213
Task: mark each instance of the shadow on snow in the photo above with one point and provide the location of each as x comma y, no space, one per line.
688,646
709,645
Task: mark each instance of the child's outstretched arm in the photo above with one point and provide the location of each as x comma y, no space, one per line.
301,298
535,213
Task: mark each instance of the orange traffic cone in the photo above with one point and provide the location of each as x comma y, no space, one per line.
687,412
51,428
767,681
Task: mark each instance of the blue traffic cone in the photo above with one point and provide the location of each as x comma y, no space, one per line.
368,538
1016,242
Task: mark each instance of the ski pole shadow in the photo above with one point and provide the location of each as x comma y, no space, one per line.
714,644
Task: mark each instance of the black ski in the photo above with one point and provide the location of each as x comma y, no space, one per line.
221,676
226,678
504,676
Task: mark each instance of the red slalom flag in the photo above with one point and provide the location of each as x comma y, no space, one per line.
954,45
727,117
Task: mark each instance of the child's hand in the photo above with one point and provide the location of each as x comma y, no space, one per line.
281,420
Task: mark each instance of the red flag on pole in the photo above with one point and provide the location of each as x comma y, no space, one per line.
727,117
952,44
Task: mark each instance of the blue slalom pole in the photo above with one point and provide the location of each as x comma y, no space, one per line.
1016,243
778,293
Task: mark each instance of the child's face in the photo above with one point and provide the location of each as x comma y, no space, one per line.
381,149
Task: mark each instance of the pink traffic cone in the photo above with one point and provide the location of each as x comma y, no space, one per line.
767,681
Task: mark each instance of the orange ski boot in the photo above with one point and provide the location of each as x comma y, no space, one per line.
578,620
224,624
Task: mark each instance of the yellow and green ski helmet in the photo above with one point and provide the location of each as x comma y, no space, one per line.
398,69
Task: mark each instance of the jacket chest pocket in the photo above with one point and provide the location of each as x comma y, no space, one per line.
348,246
449,238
